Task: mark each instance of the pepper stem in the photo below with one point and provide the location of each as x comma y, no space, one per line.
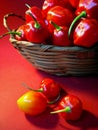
67,109
54,101
36,90
36,25
28,6
56,26
83,14
12,32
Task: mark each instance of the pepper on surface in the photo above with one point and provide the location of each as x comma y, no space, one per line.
70,108
32,103
86,33
60,16
60,35
49,87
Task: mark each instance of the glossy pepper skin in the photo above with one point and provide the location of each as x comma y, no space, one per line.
86,33
60,36
86,9
70,108
90,7
32,103
36,32
50,88
60,16
35,12
48,4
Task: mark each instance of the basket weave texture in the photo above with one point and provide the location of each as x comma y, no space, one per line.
75,61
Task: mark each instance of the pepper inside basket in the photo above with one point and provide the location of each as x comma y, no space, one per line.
61,61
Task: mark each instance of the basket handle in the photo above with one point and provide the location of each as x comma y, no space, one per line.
5,23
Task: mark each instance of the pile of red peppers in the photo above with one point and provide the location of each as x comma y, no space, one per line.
61,23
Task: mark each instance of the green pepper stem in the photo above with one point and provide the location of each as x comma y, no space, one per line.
56,26
36,25
67,109
83,14
12,32
36,90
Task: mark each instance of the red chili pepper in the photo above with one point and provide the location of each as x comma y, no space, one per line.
86,33
74,3
60,16
36,31
19,33
50,88
86,9
60,36
32,103
89,6
70,108
48,4
35,12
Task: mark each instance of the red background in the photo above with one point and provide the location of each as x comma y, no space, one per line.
14,70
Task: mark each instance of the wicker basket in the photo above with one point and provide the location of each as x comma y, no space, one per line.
75,61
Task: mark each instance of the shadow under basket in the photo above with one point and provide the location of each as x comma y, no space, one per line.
61,61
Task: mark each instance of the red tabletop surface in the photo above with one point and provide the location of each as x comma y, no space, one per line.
15,69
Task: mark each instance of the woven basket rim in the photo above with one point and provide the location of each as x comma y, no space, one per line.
50,46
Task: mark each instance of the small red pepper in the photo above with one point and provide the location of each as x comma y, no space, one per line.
36,31
59,15
32,103
60,35
70,107
86,33
86,9
35,12
50,88
19,33
48,4
90,7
